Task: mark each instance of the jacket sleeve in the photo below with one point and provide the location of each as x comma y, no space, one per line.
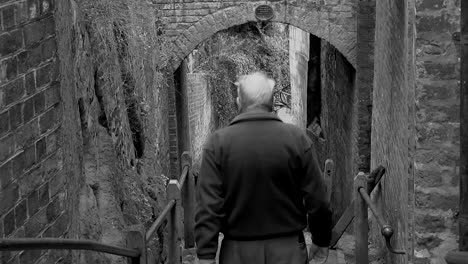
317,206
210,202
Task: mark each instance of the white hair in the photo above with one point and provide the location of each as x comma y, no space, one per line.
255,90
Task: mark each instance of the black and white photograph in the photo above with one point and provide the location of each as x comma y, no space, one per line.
233,131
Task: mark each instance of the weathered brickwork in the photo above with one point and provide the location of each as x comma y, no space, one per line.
189,23
200,114
174,152
438,129
364,77
31,179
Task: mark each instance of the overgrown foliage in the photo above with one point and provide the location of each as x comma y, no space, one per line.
241,50
127,45
127,48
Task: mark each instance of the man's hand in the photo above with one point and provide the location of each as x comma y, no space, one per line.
206,261
317,254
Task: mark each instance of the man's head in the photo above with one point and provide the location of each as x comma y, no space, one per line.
255,91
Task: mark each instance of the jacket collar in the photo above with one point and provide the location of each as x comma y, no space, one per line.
255,115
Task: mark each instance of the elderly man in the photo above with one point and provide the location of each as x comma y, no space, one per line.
259,182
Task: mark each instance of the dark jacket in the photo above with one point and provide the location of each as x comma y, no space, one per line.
258,179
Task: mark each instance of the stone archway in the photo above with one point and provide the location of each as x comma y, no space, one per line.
317,21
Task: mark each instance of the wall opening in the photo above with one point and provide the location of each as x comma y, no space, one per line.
201,90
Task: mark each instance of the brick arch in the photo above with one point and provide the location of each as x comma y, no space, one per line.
338,28
313,20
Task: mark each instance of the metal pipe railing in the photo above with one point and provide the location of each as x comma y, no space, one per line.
157,223
184,175
349,214
165,212
363,185
62,243
386,230
180,194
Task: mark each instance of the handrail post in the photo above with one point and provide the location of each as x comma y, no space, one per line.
173,193
361,226
136,239
188,202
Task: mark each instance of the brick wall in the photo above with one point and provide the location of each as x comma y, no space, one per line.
389,145
438,128
31,178
174,155
200,114
189,23
364,79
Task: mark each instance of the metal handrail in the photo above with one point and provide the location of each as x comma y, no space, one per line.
69,244
136,237
386,230
164,214
159,220
348,215
183,175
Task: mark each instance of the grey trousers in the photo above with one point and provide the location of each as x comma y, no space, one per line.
284,250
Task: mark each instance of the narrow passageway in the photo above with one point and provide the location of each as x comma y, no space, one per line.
315,89
105,106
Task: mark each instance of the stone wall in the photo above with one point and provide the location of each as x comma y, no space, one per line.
438,126
32,178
